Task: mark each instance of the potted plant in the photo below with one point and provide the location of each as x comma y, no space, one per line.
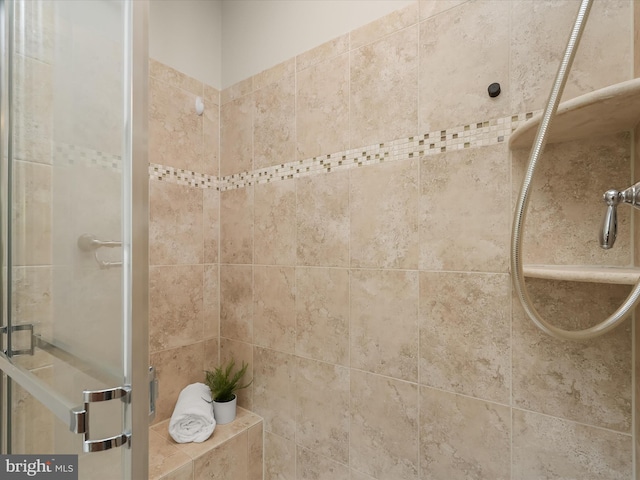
223,384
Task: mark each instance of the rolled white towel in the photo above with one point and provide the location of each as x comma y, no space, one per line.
192,419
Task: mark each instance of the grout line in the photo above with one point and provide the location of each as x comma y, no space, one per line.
511,302
575,422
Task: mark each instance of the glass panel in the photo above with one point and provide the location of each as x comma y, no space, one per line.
67,86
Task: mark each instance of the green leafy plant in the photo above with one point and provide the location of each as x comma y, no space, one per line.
223,383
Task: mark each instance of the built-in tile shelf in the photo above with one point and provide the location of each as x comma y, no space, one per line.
234,450
580,273
612,109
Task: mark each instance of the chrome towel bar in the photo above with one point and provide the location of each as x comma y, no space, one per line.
89,243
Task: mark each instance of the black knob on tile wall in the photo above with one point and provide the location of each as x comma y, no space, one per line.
494,90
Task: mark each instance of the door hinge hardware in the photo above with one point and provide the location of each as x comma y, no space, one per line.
153,393
80,419
20,328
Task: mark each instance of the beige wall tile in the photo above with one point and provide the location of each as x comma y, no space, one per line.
429,8
274,131
31,302
236,136
89,91
384,426
211,227
211,138
566,203
279,458
91,293
384,26
175,130
32,214
311,466
465,334
236,302
356,475
539,40
240,352
31,297
175,368
211,302
459,232
384,87
211,95
174,78
322,108
183,473
33,425
211,353
165,460
322,314
590,381
274,322
226,462
274,391
62,298
384,322
274,74
35,31
275,223
454,71
175,306
322,217
463,438
175,224
237,90
384,203
256,452
547,447
236,226
322,409
68,215
323,52
33,110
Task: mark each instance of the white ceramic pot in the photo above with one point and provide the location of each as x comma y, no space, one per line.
225,412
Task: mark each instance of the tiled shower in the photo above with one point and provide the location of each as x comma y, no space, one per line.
341,222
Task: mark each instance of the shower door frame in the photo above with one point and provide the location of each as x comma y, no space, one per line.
135,214
138,205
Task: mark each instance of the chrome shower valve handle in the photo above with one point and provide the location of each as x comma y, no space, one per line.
613,198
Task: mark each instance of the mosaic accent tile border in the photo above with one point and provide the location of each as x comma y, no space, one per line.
182,177
67,154
472,135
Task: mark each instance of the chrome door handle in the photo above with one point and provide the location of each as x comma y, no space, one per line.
79,422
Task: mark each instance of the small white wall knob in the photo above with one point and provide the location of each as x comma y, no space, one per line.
199,105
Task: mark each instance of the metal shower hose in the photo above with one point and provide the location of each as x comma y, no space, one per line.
521,209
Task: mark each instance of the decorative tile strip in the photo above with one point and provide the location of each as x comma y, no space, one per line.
65,154
182,177
472,135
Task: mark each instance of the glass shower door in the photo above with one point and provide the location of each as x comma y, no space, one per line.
67,233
